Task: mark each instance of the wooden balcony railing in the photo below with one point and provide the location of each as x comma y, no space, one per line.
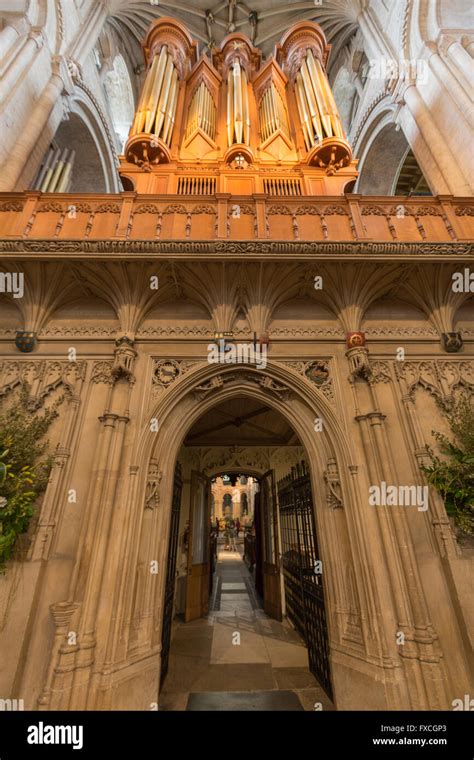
128,216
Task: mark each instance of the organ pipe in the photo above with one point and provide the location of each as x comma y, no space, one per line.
316,105
238,114
201,112
164,95
246,113
55,174
171,110
50,164
156,76
272,113
230,107
156,110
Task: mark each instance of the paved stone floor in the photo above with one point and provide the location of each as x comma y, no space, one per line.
237,658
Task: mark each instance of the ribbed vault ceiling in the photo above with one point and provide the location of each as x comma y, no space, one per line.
264,21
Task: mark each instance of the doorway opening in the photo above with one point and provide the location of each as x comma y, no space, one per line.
243,554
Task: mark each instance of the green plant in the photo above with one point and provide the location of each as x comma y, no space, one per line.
24,470
452,474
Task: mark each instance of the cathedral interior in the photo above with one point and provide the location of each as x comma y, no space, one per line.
236,355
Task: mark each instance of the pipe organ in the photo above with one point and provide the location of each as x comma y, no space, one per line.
272,114
55,174
317,109
238,118
202,113
247,125
157,107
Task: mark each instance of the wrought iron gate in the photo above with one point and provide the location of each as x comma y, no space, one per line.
303,586
171,572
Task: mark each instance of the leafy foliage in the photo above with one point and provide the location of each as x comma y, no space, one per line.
453,473
24,470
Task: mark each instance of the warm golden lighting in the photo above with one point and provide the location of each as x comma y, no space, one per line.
202,113
238,119
316,106
157,107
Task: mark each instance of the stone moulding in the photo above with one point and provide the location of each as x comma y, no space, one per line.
231,249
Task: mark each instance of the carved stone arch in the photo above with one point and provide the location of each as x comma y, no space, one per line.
86,115
284,390
379,143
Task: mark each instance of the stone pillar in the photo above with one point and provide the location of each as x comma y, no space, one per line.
463,61
447,163
97,538
419,648
28,137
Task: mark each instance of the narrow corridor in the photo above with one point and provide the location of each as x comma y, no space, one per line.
237,658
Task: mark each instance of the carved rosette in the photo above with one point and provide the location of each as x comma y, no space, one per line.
318,373
166,371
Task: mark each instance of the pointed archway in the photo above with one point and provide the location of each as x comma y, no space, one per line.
333,481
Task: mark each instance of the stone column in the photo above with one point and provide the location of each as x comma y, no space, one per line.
448,164
420,649
87,585
28,137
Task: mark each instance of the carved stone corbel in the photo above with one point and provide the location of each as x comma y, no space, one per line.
124,358
359,363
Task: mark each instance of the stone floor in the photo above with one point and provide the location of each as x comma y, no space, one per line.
237,658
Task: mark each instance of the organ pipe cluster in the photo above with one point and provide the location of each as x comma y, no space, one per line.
202,113
272,114
316,106
238,116
157,107
55,175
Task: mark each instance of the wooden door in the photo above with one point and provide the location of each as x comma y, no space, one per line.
197,586
270,546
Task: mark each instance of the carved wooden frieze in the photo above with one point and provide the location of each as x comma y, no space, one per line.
221,248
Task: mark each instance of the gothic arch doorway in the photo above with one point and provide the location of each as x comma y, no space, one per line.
334,484
242,435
